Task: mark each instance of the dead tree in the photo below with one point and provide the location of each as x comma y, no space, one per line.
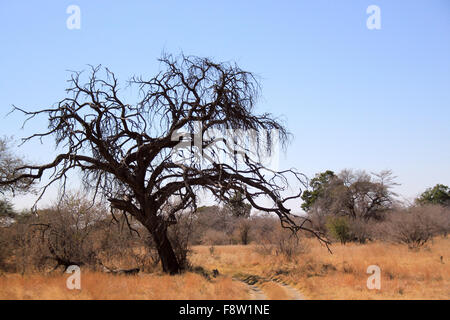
134,148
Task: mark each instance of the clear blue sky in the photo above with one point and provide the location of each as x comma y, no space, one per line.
352,97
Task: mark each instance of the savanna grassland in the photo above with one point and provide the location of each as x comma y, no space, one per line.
315,273
405,273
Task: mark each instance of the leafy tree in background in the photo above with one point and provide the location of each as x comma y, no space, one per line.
6,208
238,207
318,185
241,210
439,194
355,194
9,164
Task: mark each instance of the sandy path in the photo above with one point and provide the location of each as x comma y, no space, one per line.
256,293
291,291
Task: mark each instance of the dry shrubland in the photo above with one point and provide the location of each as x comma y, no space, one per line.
410,245
405,273
413,226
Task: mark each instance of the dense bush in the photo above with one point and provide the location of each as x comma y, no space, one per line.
281,242
73,232
5,248
339,229
361,230
415,226
219,226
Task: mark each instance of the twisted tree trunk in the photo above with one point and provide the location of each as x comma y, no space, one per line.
169,260
158,230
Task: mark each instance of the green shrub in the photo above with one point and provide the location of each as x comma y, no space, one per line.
339,228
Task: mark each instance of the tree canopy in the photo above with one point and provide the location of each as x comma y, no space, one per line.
169,144
318,185
9,162
355,194
10,169
238,207
439,194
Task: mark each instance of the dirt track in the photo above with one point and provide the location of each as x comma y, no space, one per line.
256,293
291,291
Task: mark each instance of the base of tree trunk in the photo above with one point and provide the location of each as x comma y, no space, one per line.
169,260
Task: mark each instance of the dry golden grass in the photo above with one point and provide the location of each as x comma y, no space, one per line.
405,274
106,286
